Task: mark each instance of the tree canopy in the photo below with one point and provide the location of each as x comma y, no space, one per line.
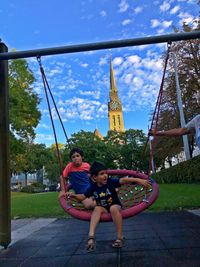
188,67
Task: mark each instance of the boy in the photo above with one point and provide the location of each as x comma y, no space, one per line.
78,173
104,191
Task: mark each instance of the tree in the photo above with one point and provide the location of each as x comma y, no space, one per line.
30,159
131,151
51,165
23,102
23,110
188,59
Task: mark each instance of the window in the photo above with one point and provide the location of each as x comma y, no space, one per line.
119,121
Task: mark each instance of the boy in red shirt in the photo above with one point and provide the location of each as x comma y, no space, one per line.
78,173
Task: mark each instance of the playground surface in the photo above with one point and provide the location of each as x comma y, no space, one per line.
156,239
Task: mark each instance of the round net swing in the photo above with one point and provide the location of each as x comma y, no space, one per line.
133,197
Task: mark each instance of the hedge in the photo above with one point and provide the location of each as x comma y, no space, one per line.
184,172
33,188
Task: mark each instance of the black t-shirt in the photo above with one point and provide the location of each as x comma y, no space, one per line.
105,195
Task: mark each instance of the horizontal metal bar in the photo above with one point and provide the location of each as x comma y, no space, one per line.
101,45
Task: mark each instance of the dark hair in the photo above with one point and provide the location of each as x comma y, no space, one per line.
97,167
75,150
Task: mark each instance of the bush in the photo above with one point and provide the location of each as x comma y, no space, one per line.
33,188
184,172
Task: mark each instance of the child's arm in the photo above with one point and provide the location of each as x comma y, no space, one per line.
172,132
79,197
62,187
62,180
128,180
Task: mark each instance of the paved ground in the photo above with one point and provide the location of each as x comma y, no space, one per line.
169,239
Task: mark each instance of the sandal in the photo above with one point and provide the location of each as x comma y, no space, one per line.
118,243
91,244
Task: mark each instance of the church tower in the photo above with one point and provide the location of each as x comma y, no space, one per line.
115,114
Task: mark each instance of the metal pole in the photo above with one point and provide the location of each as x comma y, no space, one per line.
152,161
5,220
102,45
180,107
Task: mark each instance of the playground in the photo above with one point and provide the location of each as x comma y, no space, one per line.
155,237
152,239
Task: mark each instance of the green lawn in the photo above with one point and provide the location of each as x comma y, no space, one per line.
171,197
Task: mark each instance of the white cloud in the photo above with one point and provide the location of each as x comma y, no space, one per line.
123,6
117,61
81,108
84,65
57,70
95,94
138,82
103,13
165,6
138,9
134,59
128,78
166,23
43,125
185,17
61,87
126,22
174,10
103,61
155,23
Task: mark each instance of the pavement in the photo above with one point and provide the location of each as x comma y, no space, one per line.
153,239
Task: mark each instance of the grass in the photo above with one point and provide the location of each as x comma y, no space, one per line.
171,197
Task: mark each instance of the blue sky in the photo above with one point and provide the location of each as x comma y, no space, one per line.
80,81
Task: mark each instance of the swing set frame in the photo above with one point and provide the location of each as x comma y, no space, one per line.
5,202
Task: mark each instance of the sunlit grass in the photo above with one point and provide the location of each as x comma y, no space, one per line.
171,197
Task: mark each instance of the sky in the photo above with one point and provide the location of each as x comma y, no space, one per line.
80,81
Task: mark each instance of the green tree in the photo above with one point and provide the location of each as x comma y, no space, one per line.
51,165
23,111
131,151
23,101
188,64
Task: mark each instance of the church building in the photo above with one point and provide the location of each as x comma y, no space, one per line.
115,115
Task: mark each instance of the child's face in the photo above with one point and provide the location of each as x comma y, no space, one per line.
101,178
77,159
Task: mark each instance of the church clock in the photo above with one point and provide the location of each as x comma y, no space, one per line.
114,105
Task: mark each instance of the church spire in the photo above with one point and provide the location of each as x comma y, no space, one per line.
112,77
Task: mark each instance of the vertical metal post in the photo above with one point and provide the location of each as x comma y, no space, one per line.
152,161
5,218
180,106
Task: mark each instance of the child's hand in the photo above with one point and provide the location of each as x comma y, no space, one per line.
61,194
145,183
70,195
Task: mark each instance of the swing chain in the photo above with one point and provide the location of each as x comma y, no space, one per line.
39,60
169,43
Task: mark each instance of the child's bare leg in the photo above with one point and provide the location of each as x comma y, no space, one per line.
89,203
95,218
117,219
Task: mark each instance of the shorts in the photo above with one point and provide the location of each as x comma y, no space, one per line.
108,207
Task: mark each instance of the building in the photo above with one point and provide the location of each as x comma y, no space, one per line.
97,133
115,115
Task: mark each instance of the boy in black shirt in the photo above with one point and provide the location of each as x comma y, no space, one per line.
104,191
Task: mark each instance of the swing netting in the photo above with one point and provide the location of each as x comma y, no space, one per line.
133,197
